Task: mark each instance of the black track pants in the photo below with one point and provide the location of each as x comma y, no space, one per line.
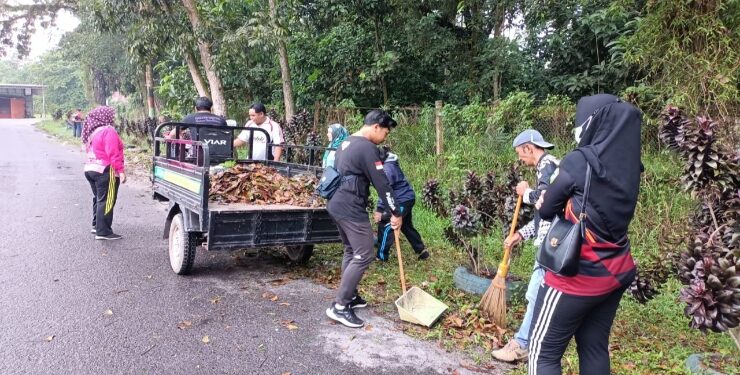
558,317
386,235
105,191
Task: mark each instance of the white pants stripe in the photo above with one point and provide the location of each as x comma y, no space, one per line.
549,304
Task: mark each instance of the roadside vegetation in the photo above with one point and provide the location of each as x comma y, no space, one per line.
498,67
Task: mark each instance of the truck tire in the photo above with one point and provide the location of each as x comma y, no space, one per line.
299,253
181,247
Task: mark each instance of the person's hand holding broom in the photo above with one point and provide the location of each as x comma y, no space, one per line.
493,303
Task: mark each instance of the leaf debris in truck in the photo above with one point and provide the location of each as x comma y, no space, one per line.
260,184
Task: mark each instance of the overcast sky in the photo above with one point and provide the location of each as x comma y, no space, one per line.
47,39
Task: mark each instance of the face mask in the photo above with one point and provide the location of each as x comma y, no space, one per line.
578,131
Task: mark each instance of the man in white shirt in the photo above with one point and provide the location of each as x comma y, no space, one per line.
258,119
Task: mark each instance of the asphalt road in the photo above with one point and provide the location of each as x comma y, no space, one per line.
72,305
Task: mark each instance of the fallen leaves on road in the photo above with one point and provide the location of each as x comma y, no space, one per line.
369,327
286,373
49,338
468,324
270,296
284,304
185,324
280,281
206,339
289,324
216,299
108,312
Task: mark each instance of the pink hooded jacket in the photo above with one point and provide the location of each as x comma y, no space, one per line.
104,148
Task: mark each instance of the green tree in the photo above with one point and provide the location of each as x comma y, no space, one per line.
574,42
689,51
63,86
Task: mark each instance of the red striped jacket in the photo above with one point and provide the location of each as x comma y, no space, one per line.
604,266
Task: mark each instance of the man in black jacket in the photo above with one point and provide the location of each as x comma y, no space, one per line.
358,160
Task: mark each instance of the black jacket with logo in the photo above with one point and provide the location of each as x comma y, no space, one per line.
359,161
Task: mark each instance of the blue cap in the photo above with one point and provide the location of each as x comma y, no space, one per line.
531,136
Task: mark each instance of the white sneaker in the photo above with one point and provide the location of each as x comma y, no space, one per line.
511,352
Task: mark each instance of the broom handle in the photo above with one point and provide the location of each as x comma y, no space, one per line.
400,260
507,250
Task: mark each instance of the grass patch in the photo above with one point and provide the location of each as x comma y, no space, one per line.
646,339
137,151
58,129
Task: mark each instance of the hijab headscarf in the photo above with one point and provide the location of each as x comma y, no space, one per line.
611,141
338,135
611,145
98,117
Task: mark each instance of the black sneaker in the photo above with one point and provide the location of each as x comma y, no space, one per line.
109,237
345,316
357,302
423,255
93,231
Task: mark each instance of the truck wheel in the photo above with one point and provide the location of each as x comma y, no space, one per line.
300,253
181,247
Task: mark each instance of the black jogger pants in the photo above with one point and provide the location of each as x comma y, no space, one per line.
386,235
105,191
558,317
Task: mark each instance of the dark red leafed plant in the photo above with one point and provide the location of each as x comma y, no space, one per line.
709,267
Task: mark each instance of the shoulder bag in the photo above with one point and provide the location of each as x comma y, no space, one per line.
560,251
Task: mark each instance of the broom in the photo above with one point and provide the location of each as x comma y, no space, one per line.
493,303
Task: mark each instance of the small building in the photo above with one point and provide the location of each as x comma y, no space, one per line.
16,101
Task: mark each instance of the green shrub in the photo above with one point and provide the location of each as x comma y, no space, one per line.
554,118
513,114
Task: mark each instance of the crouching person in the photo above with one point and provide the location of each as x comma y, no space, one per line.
405,198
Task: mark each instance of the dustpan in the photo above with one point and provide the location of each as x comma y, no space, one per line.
415,305
419,307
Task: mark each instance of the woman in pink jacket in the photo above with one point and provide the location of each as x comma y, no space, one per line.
103,168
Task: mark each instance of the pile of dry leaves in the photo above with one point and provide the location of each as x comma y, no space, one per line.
260,184
467,325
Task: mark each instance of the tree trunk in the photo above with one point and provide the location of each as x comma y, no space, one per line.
149,91
217,92
499,20
200,84
284,69
379,49
100,88
496,85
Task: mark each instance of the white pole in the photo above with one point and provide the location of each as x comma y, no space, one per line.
43,102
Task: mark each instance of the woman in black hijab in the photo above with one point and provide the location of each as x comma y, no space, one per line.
584,305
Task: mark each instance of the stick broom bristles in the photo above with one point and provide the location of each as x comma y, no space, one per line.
493,303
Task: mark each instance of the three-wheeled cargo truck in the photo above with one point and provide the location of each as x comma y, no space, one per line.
181,173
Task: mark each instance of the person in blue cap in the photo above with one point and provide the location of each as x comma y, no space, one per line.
531,148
